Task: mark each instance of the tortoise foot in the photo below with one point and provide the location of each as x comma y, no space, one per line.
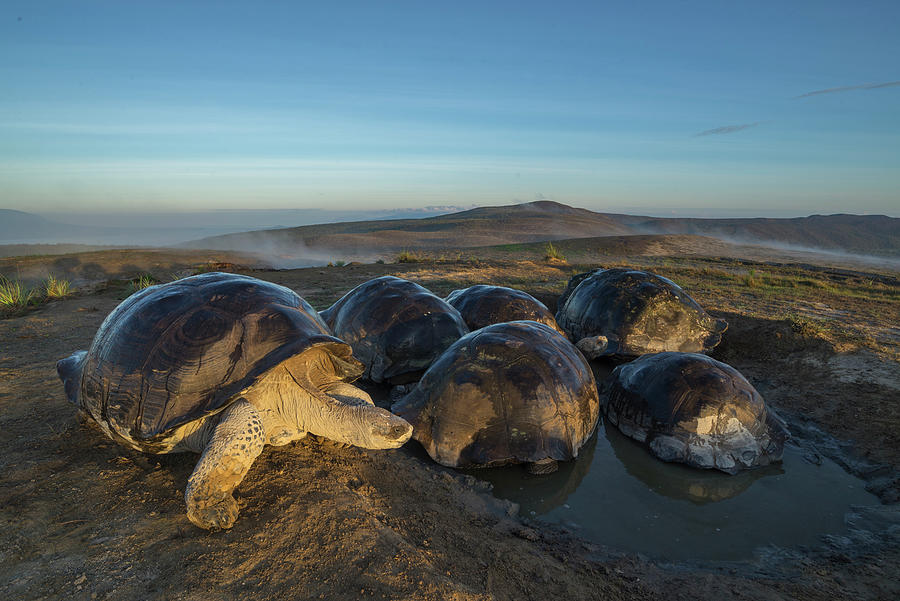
214,513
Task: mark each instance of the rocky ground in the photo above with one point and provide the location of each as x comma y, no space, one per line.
83,518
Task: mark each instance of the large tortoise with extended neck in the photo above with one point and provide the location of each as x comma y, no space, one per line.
222,364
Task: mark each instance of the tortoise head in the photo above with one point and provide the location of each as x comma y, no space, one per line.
69,370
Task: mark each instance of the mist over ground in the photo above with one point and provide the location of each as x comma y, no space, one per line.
148,228
293,238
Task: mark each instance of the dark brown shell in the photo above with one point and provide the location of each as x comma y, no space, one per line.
177,352
396,327
692,409
515,392
637,312
484,305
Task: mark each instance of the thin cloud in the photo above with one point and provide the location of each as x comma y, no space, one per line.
727,129
865,86
113,129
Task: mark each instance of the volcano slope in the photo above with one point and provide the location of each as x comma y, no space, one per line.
547,220
84,518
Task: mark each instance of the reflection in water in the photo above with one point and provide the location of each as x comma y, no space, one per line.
678,481
538,494
617,494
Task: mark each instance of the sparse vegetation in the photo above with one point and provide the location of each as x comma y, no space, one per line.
13,296
57,288
751,280
207,267
16,297
409,256
145,280
553,254
807,326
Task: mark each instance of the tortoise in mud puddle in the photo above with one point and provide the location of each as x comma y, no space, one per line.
627,312
484,305
690,408
395,327
515,392
222,364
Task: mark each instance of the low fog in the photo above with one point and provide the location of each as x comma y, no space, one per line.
171,228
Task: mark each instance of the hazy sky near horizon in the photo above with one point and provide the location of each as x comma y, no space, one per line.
769,108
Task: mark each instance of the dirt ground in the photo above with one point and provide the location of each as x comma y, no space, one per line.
84,518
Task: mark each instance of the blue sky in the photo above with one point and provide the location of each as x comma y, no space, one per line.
194,106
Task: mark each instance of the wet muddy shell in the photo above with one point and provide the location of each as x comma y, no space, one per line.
689,408
515,392
178,352
484,305
636,313
395,327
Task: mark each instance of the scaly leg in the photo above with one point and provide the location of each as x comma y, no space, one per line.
236,442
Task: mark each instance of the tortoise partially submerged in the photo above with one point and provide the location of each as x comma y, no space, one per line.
483,305
690,408
396,327
627,312
515,392
222,364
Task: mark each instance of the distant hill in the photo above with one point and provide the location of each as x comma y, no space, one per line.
479,227
530,222
165,228
876,234
548,220
14,223
19,227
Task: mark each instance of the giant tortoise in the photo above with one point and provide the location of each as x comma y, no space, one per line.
395,327
627,312
690,408
515,392
483,305
221,364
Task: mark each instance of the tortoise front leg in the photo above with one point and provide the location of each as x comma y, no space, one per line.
235,443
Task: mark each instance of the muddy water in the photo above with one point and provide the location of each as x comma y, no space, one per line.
619,495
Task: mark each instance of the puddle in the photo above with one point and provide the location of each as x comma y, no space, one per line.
618,495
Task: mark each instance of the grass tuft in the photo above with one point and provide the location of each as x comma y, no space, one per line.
56,288
145,280
409,256
13,296
553,254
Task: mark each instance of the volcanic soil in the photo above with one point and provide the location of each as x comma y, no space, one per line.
84,518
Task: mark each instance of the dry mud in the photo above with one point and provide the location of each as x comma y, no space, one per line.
83,518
